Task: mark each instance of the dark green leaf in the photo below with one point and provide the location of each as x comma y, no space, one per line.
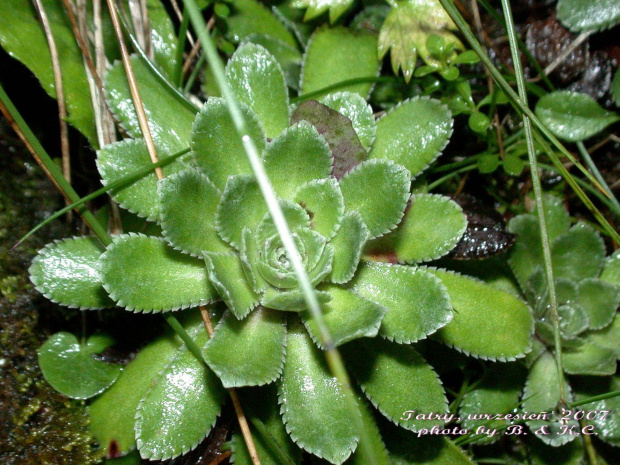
581,15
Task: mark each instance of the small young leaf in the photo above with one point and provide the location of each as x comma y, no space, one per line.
71,369
295,157
488,323
600,300
338,132
124,158
322,200
67,272
542,393
413,134
578,254
395,378
259,346
348,246
582,15
417,302
354,107
188,207
572,116
348,316
431,227
217,148
313,406
145,274
180,408
389,184
227,275
338,54
257,81
169,119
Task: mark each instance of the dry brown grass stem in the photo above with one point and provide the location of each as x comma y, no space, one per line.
243,421
133,88
107,120
60,93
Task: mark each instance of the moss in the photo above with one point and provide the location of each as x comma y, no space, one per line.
40,426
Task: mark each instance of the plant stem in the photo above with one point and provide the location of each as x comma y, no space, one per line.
49,167
334,360
597,174
542,221
339,85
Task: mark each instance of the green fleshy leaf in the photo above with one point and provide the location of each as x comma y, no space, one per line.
264,407
249,256
216,147
337,130
295,215
573,320
396,379
169,119
606,425
488,323
227,275
432,226
389,184
413,134
338,54
112,413
71,369
600,301
316,8
22,36
163,37
251,17
323,202
188,207
498,392
354,107
297,156
290,301
406,29
180,408
580,15
589,359
376,441
257,81
542,393
526,254
313,406
145,274
572,116
417,302
579,254
259,341
611,270
124,158
348,316
67,272
242,205
608,337
288,56
348,246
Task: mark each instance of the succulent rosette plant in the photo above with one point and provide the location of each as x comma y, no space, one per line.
343,182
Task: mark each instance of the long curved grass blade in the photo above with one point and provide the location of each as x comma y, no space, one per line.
333,357
48,166
119,183
544,236
340,85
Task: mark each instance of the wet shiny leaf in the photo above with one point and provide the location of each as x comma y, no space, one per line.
581,15
354,107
